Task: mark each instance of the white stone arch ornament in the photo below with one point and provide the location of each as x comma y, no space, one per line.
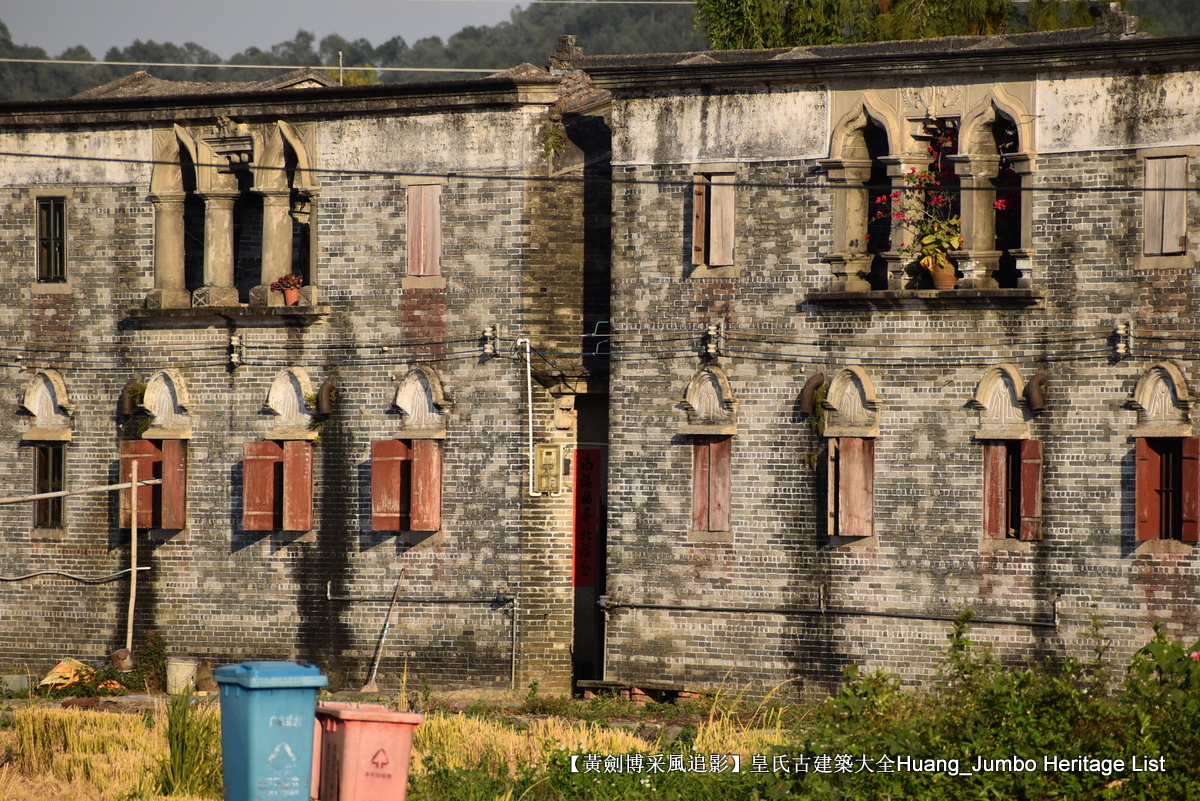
999,397
1163,403
851,405
166,400
288,399
710,405
422,403
46,399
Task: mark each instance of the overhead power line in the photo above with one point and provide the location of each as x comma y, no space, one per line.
244,66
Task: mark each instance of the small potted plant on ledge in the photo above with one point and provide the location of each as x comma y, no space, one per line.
289,285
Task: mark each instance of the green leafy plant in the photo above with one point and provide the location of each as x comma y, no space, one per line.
193,763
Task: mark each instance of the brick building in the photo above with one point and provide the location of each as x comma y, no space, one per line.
627,365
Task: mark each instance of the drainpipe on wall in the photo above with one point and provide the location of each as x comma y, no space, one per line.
533,493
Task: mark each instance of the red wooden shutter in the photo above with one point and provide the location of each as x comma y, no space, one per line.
262,486
995,479
700,470
388,460
426,502
1191,489
297,485
720,481
1031,489
1147,473
425,230
699,219
174,486
721,221
856,493
149,460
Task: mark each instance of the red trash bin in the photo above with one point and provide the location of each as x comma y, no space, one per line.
364,752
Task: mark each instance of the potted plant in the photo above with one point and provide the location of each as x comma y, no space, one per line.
929,206
289,285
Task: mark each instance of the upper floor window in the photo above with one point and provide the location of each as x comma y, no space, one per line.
1165,205
1167,479
712,477
713,219
52,239
1012,489
424,230
49,475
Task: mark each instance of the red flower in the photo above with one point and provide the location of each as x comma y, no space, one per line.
1000,205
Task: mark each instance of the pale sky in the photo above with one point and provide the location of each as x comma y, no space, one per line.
230,26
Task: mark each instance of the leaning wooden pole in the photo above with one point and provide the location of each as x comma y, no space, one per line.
133,520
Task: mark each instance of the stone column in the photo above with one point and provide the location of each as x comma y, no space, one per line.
219,289
850,262
170,290
978,214
276,247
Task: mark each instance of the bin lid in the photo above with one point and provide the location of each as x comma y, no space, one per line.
368,712
270,675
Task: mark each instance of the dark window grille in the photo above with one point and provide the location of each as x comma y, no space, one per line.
1012,492
1170,487
49,473
52,239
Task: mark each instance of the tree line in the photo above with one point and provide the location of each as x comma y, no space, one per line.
533,31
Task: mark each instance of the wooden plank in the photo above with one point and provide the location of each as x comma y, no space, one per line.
297,485
832,463
721,221
1031,489
720,483
262,486
699,220
856,474
995,489
424,230
1174,205
700,483
174,486
426,504
1152,199
149,459
1147,474
387,457
1191,489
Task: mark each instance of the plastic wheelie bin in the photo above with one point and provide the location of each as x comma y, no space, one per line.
364,752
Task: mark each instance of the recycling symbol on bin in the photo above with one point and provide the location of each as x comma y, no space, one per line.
282,758
380,760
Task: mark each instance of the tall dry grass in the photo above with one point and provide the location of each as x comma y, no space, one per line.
462,741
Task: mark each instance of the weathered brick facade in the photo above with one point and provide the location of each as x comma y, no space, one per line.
751,531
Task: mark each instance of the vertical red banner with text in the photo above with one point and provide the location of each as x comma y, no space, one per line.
588,464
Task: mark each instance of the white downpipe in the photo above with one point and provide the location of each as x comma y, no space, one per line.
533,493
133,521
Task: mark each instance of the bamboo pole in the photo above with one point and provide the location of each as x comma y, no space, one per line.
65,493
133,521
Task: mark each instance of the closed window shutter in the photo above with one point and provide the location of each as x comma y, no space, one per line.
995,489
425,230
174,486
1152,200
297,485
720,480
856,491
1174,224
1191,490
390,459
262,486
1147,472
149,459
700,480
721,221
832,465
1031,489
699,219
426,502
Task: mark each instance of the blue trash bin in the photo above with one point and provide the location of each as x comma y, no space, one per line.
267,715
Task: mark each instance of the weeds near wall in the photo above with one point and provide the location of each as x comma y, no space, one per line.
193,762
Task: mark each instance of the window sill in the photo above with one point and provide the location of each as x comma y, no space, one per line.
1164,548
931,298
996,544
704,271
284,315
422,282
710,537
52,288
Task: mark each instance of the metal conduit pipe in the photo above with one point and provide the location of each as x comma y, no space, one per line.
499,599
609,605
533,491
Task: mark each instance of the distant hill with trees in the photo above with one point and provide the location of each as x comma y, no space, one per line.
530,34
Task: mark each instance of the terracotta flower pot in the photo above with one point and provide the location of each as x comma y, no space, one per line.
944,276
291,296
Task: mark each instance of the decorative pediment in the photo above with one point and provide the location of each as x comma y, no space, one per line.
422,403
851,405
288,399
166,400
1163,403
710,405
46,399
1000,401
